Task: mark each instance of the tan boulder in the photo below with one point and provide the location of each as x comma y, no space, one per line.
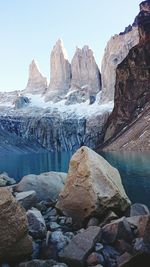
93,186
14,242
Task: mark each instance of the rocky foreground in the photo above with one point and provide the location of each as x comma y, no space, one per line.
83,218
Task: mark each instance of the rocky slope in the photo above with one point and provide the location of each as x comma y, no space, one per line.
132,91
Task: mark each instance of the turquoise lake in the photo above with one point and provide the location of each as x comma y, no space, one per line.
134,168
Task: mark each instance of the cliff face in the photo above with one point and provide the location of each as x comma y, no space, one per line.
51,130
86,77
60,73
132,89
116,50
85,71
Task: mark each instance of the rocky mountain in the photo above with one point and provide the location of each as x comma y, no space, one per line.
62,116
116,50
132,92
60,73
36,82
85,72
74,109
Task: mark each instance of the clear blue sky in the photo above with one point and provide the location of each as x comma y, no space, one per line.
30,28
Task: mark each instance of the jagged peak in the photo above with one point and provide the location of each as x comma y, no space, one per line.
83,50
145,6
34,66
59,46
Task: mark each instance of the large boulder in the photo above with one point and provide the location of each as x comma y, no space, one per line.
93,186
14,242
46,185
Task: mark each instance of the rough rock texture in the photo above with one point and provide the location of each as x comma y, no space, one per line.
60,74
36,224
6,180
46,185
21,102
36,82
136,136
79,95
26,199
139,209
14,242
78,249
42,263
116,50
52,130
93,186
85,71
132,91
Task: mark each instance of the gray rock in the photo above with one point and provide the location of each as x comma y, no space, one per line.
138,224
60,265
109,217
124,231
110,231
70,235
26,199
21,102
46,185
119,229
6,180
54,226
140,246
138,209
36,224
78,95
42,263
59,240
93,222
124,259
36,250
98,247
78,249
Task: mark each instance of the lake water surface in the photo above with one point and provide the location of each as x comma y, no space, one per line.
134,168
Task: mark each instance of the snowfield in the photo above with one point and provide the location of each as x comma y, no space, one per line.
38,105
